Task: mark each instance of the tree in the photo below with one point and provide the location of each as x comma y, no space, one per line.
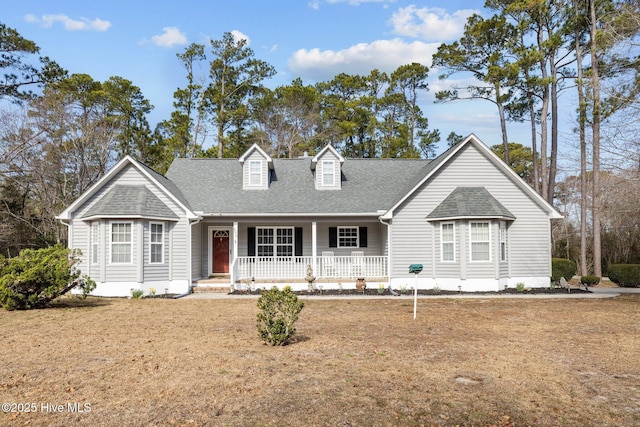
521,159
235,76
19,74
454,139
483,52
35,278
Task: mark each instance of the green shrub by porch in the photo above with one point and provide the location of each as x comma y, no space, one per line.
279,312
590,280
35,278
561,267
625,275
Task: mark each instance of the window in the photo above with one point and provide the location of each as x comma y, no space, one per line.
503,241
255,173
328,169
121,242
95,242
447,241
480,241
276,241
347,237
156,243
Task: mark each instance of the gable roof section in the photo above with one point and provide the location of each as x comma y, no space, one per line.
256,147
369,187
130,201
445,157
328,147
164,185
470,202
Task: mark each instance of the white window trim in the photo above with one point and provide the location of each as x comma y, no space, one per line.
343,227
258,173
95,243
333,173
471,242
275,242
111,243
161,243
504,256
442,242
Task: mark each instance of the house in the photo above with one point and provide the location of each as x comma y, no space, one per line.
465,216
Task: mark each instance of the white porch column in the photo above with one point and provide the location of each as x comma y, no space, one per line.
314,249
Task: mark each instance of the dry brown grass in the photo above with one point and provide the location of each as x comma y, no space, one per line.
472,362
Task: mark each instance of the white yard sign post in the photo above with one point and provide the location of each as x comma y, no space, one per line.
415,269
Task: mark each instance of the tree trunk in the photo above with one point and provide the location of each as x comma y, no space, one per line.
582,118
595,78
553,158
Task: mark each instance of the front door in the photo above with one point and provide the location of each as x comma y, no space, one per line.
220,249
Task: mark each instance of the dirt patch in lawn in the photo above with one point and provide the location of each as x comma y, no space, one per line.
472,362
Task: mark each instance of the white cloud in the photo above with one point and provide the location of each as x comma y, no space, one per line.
315,4
385,55
69,24
239,35
170,37
432,24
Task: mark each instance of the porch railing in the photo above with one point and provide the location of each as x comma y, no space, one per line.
274,268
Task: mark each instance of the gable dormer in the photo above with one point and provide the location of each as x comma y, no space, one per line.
256,164
327,165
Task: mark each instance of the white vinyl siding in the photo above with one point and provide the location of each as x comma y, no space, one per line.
328,173
480,240
348,237
121,243
447,242
156,243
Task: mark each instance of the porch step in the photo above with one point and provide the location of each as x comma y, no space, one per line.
210,289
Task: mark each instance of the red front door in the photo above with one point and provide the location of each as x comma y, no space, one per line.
220,252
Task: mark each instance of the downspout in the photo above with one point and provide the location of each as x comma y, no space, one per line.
382,221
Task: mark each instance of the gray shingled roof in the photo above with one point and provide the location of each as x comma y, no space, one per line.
214,186
470,202
130,200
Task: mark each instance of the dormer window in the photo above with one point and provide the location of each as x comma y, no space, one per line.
327,167
328,172
255,173
256,167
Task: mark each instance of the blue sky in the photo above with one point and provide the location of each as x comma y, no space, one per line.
311,39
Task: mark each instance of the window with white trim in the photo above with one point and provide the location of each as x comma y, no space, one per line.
255,173
121,243
348,237
156,243
503,241
328,173
480,238
447,241
275,241
95,242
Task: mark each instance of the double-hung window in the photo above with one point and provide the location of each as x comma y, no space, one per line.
275,241
121,243
447,241
480,237
348,237
156,243
95,242
503,241
328,173
255,173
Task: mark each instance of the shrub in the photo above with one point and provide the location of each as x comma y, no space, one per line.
561,267
625,275
137,293
36,277
520,287
589,280
279,312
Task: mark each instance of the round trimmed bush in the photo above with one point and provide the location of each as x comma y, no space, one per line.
561,267
625,275
590,280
